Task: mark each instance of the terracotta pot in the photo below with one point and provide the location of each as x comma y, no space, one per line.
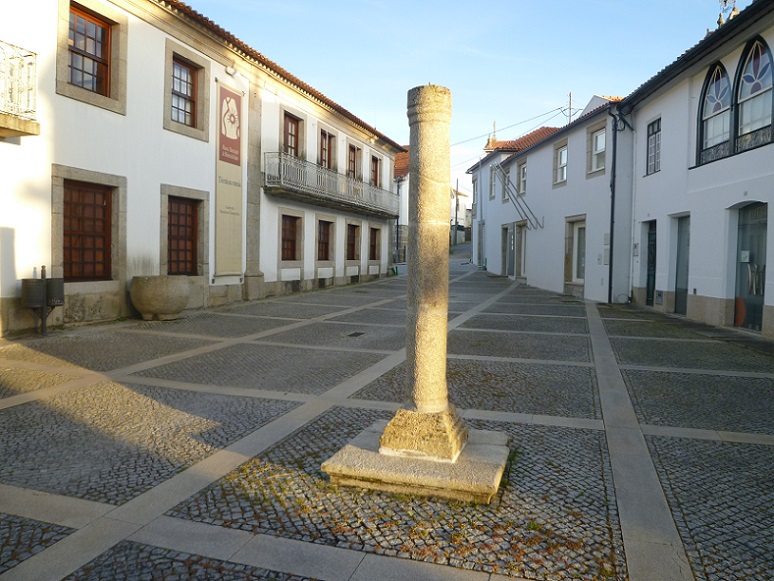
159,297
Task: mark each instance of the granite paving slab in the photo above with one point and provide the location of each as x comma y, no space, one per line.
690,355
213,324
519,345
347,298
21,538
347,336
14,381
648,328
98,350
268,367
374,316
519,296
130,561
721,496
554,517
555,390
569,310
539,324
733,404
284,310
110,442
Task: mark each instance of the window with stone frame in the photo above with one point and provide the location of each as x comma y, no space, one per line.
324,236
715,126
597,151
353,242
374,244
291,135
376,173
560,163
182,236
327,149
89,48
87,220
654,147
522,177
291,228
754,97
183,92
354,162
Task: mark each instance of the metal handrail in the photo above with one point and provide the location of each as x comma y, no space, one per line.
525,212
18,74
287,171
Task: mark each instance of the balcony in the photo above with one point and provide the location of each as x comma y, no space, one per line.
17,91
289,177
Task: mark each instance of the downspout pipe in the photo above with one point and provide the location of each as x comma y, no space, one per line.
619,124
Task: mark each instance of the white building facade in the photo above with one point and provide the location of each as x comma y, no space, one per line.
138,138
703,178
666,190
544,215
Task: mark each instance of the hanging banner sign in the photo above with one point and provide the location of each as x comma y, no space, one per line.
228,188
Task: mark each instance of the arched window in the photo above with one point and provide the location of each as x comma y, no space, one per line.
715,115
754,97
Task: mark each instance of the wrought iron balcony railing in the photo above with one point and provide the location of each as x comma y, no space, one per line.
297,179
18,70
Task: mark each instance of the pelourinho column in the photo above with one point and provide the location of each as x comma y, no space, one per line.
431,428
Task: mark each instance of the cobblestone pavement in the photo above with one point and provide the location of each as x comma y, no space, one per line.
191,449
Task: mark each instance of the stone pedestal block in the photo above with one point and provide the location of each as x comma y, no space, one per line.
474,477
437,436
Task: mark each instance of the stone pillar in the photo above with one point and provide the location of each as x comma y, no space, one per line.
432,428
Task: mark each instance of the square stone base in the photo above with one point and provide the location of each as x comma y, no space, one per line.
474,477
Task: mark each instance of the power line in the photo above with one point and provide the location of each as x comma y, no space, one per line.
556,112
558,109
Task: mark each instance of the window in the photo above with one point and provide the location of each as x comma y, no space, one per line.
522,171
716,109
754,96
374,246
491,182
654,147
326,149
89,46
87,231
291,135
578,252
506,177
354,161
376,174
560,164
353,242
186,92
185,229
182,236
324,229
183,93
597,150
91,54
290,231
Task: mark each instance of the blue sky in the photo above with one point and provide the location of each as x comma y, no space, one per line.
505,61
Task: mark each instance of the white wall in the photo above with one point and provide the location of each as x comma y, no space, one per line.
709,193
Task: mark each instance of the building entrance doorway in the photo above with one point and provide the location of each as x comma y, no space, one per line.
509,250
751,266
521,250
681,268
650,285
